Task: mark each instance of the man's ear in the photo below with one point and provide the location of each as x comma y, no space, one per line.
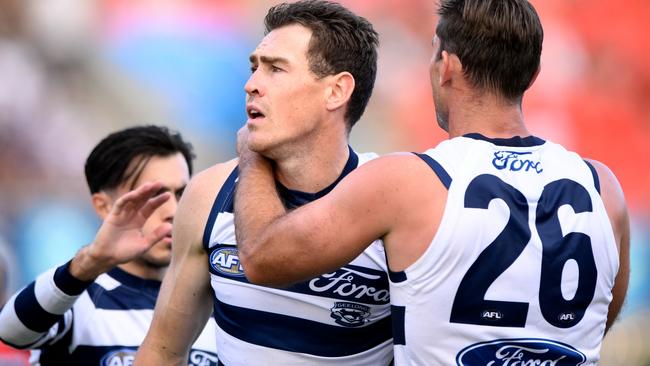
340,90
102,203
450,66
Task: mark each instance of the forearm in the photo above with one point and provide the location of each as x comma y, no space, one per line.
257,206
30,313
182,310
153,352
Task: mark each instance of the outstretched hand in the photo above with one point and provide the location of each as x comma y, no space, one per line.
120,238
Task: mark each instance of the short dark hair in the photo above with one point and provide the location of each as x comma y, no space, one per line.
498,42
341,41
108,164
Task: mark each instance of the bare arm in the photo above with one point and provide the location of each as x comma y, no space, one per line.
614,201
374,201
184,303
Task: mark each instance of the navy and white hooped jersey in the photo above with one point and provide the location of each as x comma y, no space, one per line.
521,269
68,322
340,318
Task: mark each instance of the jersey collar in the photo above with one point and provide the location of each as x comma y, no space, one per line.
515,141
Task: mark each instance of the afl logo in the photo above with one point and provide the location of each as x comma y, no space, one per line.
121,357
226,261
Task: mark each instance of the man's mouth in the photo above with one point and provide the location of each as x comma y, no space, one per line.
254,113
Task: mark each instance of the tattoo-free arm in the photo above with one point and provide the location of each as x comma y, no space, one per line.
614,201
185,303
279,248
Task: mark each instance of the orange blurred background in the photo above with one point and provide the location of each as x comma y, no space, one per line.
73,70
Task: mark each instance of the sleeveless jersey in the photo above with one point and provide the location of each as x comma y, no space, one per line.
339,318
521,268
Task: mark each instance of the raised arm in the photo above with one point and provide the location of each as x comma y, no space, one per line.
614,201
184,304
39,314
375,201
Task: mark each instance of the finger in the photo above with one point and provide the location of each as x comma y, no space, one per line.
136,197
158,234
153,203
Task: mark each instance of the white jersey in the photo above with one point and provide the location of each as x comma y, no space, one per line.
340,318
69,322
521,269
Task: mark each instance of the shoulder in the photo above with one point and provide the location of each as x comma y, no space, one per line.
392,177
397,166
612,196
609,185
198,198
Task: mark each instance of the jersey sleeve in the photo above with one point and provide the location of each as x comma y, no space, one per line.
41,313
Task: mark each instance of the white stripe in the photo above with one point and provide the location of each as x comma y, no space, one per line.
107,282
50,297
102,327
12,329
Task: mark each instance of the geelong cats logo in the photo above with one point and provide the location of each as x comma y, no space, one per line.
350,314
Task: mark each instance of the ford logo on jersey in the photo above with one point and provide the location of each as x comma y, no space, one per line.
515,161
226,261
353,283
120,357
520,352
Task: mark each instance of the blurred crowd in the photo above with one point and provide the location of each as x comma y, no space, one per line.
73,70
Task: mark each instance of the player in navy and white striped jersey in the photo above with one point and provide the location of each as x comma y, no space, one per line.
505,249
96,309
312,76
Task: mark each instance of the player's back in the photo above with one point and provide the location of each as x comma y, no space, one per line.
521,268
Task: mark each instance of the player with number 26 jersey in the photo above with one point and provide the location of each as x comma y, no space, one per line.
521,268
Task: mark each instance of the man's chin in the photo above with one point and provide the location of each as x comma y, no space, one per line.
157,262
159,255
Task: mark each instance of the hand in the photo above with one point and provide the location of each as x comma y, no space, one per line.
246,155
120,238
242,140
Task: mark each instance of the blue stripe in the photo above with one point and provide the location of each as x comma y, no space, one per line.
397,277
67,283
225,193
398,314
299,335
595,175
120,298
31,313
57,354
437,168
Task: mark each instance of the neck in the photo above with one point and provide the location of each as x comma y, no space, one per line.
143,271
487,114
315,163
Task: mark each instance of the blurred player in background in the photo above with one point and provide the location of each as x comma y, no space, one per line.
504,248
96,308
312,76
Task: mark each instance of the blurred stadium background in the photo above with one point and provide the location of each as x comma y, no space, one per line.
73,70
